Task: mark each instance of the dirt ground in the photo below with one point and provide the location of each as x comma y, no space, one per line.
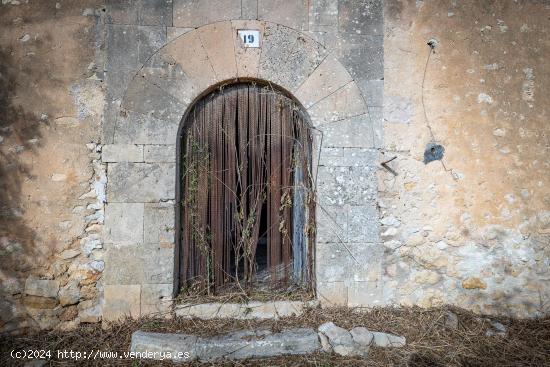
429,341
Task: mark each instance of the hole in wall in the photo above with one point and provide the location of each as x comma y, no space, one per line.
433,152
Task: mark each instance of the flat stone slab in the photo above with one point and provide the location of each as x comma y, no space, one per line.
236,345
244,311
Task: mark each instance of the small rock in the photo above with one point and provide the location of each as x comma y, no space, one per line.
389,233
68,325
88,292
473,283
25,38
341,340
69,254
325,345
97,265
336,335
69,313
496,329
90,243
386,340
362,335
451,320
70,294
390,221
90,315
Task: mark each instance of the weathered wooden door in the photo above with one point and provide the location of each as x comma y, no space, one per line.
246,202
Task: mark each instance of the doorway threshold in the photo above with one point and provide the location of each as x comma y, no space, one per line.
245,311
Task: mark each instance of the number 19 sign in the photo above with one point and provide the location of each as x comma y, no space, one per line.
249,37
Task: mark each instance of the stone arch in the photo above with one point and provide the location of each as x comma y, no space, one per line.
154,103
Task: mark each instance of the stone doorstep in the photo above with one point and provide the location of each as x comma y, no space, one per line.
236,345
245,311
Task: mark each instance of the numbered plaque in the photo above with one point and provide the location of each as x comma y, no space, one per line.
249,37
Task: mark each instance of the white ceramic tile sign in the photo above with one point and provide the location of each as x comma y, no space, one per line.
249,37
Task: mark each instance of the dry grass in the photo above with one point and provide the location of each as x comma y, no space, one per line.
429,342
235,293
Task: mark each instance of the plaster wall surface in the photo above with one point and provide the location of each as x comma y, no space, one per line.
472,229
51,107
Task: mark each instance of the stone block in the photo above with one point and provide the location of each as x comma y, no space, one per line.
236,345
195,13
111,110
346,185
243,311
155,12
249,9
151,39
137,128
43,303
355,132
377,118
174,32
121,301
363,56
159,221
347,261
332,224
156,299
332,294
329,76
122,153
197,68
373,91
162,72
139,265
117,81
332,262
41,287
124,223
160,153
217,40
361,17
122,47
248,59
146,98
141,182
121,11
323,15
290,13
346,102
288,57
365,294
363,224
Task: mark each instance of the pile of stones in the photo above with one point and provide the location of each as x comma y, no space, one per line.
357,341
262,343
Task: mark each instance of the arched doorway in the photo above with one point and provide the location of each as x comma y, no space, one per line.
246,200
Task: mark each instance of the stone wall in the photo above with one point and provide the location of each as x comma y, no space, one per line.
474,228
51,175
317,53
93,93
